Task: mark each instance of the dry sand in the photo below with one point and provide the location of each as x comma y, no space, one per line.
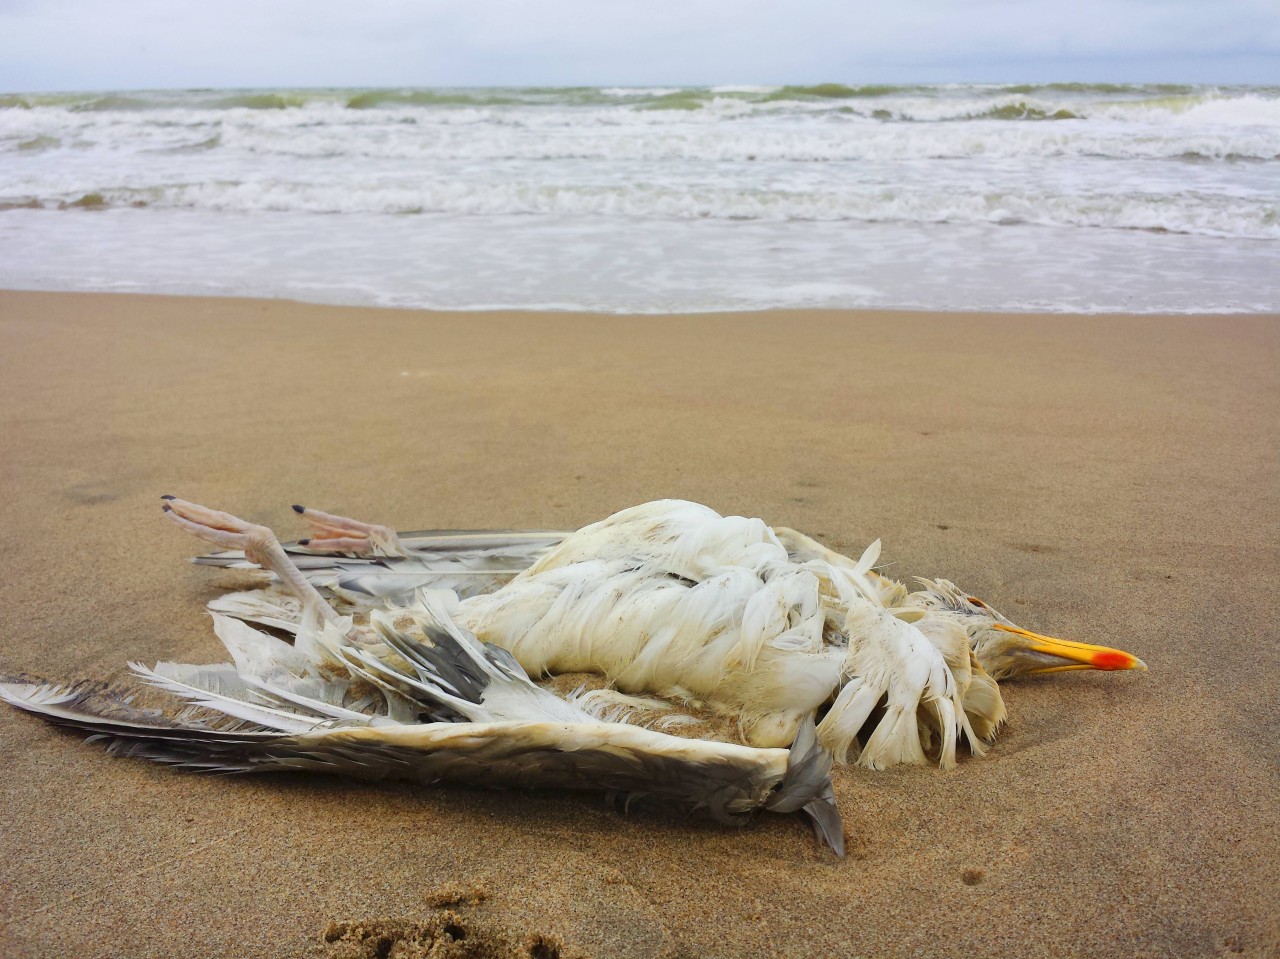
1111,479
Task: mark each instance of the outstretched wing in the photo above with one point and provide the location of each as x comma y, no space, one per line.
286,707
727,781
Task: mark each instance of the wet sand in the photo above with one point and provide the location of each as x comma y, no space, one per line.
1109,479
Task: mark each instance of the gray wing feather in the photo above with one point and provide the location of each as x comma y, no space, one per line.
728,782
807,787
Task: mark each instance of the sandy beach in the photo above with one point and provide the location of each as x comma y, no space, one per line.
1110,479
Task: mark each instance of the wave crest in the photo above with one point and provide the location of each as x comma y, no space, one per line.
1241,218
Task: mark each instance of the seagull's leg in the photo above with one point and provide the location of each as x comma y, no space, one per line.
258,542
339,534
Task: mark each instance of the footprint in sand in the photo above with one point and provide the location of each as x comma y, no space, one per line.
445,935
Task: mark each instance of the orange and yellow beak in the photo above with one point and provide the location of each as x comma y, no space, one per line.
1076,655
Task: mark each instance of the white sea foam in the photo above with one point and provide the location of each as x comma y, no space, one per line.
639,91
723,129
1244,218
1080,164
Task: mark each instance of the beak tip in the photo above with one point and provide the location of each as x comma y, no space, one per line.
1114,659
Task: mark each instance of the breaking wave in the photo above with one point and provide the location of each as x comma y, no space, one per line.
666,128
1205,216
833,91
918,102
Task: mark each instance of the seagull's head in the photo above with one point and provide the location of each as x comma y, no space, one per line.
1006,650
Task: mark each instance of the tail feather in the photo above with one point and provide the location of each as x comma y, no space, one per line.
271,607
479,681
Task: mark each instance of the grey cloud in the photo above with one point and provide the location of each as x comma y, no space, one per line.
162,43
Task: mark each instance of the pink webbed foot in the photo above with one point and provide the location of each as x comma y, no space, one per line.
258,542
338,534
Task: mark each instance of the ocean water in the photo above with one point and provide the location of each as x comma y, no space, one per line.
1066,197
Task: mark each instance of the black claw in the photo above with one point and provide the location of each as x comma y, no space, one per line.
299,509
304,542
167,508
168,496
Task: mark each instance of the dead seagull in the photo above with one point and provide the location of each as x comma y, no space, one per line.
411,657
672,599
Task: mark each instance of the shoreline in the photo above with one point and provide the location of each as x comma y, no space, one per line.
498,311
1102,477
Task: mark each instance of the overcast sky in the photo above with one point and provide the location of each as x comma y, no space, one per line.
131,44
